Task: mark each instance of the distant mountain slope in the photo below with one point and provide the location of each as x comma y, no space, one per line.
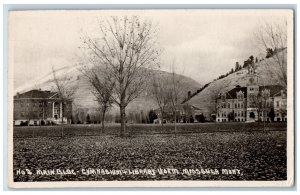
83,97
205,99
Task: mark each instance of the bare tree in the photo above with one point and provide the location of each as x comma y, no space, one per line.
123,51
265,104
159,93
260,102
102,90
65,92
175,93
272,38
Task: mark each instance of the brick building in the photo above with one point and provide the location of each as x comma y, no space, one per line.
37,107
253,102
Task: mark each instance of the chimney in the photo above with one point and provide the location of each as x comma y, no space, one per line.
282,93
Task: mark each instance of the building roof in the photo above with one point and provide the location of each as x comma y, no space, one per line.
274,91
179,107
195,108
232,93
35,93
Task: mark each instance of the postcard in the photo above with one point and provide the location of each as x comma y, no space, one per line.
151,98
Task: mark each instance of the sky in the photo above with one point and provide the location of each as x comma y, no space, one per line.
203,43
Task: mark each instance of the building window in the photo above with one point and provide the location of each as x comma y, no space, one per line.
223,97
240,95
277,103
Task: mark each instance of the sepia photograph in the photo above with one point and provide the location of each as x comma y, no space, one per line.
151,98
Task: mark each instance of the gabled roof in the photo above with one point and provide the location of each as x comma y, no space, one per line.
232,93
274,89
35,93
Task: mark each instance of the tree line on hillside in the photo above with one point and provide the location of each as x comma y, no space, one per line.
269,54
232,70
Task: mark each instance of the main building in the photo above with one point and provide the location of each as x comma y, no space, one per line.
252,102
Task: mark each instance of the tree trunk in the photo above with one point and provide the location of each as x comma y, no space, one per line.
62,122
216,111
102,121
264,118
258,122
162,119
123,120
175,123
122,100
62,127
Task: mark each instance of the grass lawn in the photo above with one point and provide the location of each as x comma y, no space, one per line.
197,155
143,129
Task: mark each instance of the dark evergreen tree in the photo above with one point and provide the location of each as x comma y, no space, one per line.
269,52
237,66
251,58
88,119
271,114
152,116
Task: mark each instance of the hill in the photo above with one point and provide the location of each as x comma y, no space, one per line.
205,99
84,99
